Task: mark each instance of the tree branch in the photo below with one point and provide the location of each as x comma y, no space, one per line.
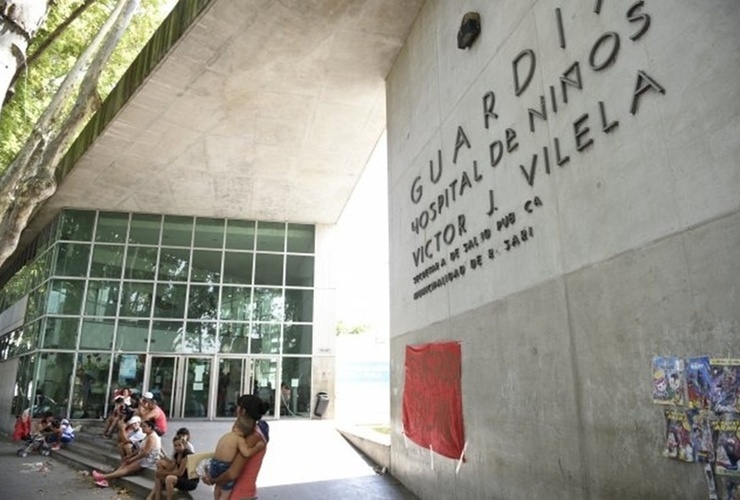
29,179
45,44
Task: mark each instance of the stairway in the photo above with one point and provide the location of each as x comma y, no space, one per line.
91,451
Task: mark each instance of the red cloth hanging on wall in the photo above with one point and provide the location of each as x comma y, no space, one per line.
432,398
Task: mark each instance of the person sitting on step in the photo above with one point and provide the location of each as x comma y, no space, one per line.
174,473
145,458
130,436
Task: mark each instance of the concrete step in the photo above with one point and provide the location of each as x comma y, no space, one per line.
91,451
75,457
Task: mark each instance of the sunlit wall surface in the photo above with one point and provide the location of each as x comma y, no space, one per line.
110,292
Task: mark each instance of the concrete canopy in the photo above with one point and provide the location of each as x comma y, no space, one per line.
264,109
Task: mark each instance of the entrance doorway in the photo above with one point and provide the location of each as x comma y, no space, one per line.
189,387
181,384
237,376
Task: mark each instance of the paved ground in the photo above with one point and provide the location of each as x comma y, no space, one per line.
306,459
37,476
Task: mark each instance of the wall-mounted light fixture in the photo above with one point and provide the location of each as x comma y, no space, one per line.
469,30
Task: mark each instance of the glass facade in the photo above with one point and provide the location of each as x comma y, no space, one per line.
179,305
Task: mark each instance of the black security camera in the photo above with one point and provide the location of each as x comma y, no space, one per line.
469,30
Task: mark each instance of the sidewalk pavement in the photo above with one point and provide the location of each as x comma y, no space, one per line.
37,476
306,459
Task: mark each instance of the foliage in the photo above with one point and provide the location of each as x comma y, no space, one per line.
343,329
36,87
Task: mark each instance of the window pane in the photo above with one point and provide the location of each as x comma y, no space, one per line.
298,305
234,337
299,270
102,298
200,337
65,297
145,229
128,370
23,379
132,335
111,227
107,261
165,336
77,225
136,299
236,303
141,263
97,333
265,338
206,266
35,302
268,304
271,236
71,259
300,238
60,333
203,302
240,234
238,267
174,264
298,339
90,387
23,340
170,301
53,377
268,269
209,233
177,231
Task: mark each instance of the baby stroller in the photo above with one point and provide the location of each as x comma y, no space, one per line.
36,442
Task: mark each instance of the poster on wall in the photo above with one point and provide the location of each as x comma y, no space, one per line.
678,436
701,435
432,398
727,449
698,382
725,385
127,370
732,488
668,380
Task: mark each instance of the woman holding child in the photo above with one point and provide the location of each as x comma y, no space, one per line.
243,470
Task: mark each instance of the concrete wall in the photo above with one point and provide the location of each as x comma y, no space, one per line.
627,250
8,370
325,319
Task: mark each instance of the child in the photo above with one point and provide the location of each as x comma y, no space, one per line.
166,463
50,427
174,474
22,428
184,433
65,435
228,446
120,410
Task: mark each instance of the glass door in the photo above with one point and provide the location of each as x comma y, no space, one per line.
197,389
231,376
237,376
264,381
181,385
162,379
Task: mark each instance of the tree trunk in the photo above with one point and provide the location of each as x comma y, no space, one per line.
40,49
19,22
29,179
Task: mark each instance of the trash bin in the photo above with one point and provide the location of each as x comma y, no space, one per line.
322,402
